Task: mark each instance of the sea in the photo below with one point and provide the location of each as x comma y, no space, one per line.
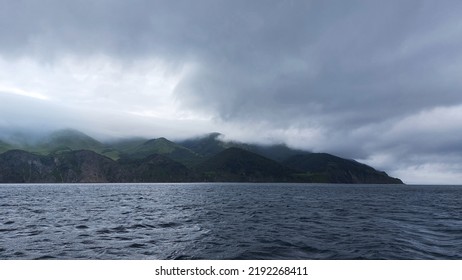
230,221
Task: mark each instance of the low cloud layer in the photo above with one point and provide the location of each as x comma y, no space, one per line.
378,81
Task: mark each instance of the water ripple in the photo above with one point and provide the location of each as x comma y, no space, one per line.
230,221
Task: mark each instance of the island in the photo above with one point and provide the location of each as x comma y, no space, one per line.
70,156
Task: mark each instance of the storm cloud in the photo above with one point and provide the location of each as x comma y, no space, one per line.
377,81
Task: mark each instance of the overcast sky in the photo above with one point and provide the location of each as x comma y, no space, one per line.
377,81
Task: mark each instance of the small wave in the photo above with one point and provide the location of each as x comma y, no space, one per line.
117,229
179,256
124,238
168,225
19,254
103,231
141,226
136,245
34,233
45,257
7,229
81,227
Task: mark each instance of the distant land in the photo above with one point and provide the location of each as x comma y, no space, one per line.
70,156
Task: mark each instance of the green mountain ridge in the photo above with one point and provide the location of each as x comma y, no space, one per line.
72,156
84,166
210,144
333,169
69,139
206,146
4,147
163,146
238,165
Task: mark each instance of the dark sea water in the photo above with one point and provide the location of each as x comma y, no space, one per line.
230,221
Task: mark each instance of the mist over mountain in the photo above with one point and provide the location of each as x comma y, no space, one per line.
4,146
72,156
211,144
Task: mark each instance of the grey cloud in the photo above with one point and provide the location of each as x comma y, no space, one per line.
356,62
